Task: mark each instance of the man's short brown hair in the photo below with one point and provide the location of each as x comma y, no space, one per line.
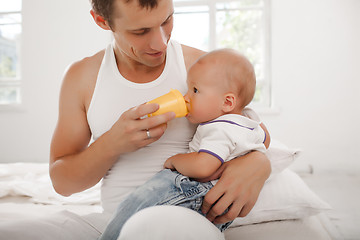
104,7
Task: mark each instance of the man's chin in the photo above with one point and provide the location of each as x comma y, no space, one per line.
153,64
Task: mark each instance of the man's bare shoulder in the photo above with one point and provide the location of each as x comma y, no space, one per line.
85,67
191,55
80,78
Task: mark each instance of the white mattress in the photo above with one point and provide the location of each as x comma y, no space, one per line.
312,228
14,205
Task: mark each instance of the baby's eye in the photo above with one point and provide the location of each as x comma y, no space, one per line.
195,90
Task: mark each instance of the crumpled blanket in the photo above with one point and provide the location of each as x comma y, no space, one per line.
32,180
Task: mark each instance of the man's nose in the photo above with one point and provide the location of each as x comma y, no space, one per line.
159,40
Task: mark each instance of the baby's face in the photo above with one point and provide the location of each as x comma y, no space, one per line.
204,98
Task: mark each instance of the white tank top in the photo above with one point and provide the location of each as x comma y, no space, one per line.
113,94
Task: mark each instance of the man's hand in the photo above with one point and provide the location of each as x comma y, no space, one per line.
238,187
131,132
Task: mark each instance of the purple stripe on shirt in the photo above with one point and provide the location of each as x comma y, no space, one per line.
227,121
264,137
211,153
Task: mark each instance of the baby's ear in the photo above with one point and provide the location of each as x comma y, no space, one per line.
229,102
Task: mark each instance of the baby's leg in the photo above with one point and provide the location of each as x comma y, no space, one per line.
165,188
169,222
158,189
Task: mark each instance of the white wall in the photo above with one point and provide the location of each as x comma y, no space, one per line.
315,73
55,34
316,80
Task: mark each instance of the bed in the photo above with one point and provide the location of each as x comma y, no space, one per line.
286,208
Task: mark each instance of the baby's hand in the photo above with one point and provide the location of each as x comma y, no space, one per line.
168,164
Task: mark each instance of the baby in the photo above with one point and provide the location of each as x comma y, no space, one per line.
220,86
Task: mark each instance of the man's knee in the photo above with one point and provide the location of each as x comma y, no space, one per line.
169,222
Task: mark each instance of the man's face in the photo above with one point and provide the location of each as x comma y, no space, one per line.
142,34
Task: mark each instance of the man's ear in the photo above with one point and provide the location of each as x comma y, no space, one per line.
100,21
229,102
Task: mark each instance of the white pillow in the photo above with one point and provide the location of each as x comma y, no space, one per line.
280,156
285,196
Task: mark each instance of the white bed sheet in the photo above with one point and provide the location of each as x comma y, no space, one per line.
16,202
22,207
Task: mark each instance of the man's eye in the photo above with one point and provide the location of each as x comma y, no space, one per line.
142,32
195,90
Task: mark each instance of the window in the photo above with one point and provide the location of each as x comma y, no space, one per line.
10,33
242,25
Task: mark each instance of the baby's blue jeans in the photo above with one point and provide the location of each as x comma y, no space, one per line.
165,188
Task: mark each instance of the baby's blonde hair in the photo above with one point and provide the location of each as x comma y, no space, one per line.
238,72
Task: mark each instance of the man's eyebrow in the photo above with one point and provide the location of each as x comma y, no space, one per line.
146,28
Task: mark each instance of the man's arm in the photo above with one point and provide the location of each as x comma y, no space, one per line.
70,159
75,166
194,164
239,186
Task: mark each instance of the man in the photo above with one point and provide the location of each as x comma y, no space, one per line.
101,96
